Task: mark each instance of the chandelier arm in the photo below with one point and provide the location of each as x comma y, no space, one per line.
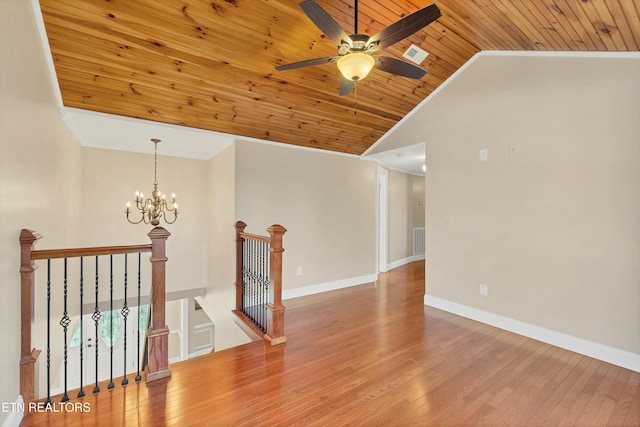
134,222
140,204
169,208
175,217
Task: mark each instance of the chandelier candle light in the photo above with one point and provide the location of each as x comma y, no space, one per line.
156,207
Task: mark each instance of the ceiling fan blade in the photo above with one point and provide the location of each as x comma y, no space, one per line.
406,26
306,63
400,68
324,22
346,86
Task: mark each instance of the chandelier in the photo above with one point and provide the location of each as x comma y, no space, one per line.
155,207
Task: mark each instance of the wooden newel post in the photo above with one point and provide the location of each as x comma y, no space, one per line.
158,333
28,356
240,226
275,309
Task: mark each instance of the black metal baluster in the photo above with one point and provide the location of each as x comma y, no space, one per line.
48,401
269,282
245,299
245,277
260,285
257,275
111,384
125,313
254,261
81,392
64,322
250,272
138,376
266,282
96,319
254,283
250,276
248,303
265,285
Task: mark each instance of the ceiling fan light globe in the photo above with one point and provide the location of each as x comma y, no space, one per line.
356,66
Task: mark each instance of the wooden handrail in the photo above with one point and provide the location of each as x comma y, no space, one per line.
275,310
158,333
95,251
265,239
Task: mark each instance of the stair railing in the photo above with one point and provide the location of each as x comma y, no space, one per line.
156,344
259,282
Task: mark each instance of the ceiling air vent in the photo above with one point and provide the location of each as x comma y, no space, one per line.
415,54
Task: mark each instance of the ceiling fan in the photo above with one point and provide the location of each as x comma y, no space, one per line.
355,52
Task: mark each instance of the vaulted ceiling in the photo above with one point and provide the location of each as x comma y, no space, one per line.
210,64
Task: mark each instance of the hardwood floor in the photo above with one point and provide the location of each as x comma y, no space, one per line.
375,355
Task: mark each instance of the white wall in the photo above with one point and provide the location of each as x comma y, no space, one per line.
417,200
400,216
553,228
40,165
110,179
325,201
220,298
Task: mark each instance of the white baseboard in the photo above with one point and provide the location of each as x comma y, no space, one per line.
201,352
15,415
598,351
403,261
329,286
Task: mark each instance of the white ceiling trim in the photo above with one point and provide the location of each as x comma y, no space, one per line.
408,159
111,132
37,14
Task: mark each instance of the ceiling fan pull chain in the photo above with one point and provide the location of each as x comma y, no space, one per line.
355,98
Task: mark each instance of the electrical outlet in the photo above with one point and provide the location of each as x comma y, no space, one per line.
299,271
484,289
484,154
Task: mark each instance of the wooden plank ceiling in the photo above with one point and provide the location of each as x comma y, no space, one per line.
210,64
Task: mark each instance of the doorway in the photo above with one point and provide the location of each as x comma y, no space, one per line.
382,220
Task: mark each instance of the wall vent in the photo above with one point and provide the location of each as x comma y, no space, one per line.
415,54
418,241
